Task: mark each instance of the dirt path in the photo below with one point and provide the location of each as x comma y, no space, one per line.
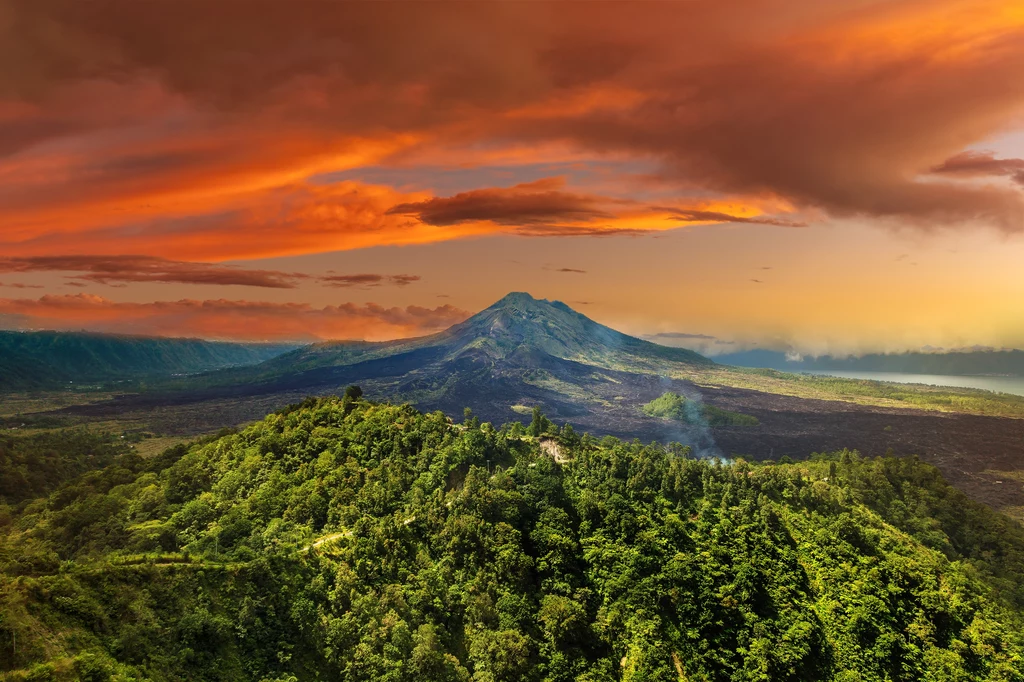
325,539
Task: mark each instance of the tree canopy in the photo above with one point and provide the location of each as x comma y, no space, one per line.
342,539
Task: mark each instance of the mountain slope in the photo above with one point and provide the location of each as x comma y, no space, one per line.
354,541
517,353
518,322
44,359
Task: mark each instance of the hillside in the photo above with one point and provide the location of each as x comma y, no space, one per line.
341,539
34,465
953,363
48,359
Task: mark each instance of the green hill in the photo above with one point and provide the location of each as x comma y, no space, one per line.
48,359
34,465
347,540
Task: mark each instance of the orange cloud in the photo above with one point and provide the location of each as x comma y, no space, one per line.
531,203
367,280
177,133
224,319
310,218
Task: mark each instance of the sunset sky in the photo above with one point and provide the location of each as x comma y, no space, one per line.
835,176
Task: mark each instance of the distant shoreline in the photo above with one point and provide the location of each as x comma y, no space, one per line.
995,383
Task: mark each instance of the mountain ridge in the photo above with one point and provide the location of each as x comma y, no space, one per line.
41,359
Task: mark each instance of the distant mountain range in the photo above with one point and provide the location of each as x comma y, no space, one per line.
30,360
957,363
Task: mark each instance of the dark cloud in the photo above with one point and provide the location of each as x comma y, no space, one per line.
19,285
532,203
702,343
116,270
757,281
572,270
680,335
578,231
352,280
978,164
715,216
367,280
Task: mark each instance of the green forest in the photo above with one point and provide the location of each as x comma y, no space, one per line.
31,466
341,539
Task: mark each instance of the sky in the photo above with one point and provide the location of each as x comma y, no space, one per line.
826,177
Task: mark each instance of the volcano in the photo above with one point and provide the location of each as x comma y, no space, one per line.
511,331
519,353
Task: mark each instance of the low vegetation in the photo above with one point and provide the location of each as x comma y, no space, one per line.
863,391
341,539
673,406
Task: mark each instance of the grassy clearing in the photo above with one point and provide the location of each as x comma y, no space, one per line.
862,392
24,403
674,406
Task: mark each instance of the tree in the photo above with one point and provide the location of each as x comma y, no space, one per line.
537,425
568,436
352,395
377,547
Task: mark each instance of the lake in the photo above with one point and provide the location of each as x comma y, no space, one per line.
1014,385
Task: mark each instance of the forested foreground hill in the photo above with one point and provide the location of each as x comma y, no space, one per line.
346,540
